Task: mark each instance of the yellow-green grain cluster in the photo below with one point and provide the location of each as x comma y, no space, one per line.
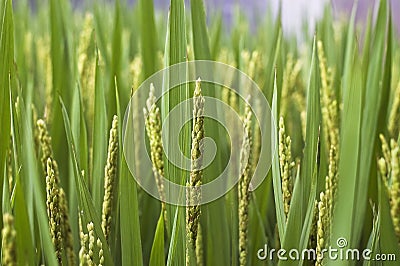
9,247
286,165
101,252
45,69
321,227
394,118
290,79
256,147
110,172
395,186
326,206
86,64
84,241
153,128
91,248
85,39
66,227
91,243
193,195
389,168
46,148
314,227
243,188
88,244
56,200
199,247
329,103
331,181
384,163
54,210
135,72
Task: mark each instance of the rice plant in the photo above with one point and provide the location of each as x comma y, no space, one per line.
70,196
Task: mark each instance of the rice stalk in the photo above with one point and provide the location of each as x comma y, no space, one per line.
395,187
256,148
329,103
291,74
225,95
55,192
382,167
233,100
245,59
331,181
326,207
66,227
135,73
225,56
254,65
193,196
85,39
199,247
314,227
389,169
110,178
44,59
321,226
88,89
87,67
135,70
36,134
153,128
243,187
46,148
394,116
384,163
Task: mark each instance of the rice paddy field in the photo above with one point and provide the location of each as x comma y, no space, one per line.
74,177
